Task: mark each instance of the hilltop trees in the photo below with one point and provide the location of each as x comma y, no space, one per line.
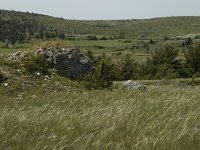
21,27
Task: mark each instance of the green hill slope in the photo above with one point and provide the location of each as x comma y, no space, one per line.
157,27
144,28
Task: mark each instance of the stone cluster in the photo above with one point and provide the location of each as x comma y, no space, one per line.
69,62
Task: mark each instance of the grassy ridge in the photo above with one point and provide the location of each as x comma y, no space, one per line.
163,117
144,28
136,28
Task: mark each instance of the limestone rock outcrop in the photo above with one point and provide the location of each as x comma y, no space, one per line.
69,62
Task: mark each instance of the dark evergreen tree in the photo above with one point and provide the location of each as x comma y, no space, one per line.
192,56
188,41
127,68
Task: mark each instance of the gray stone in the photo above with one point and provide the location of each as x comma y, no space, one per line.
133,85
69,62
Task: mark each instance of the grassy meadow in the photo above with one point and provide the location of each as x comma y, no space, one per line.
56,113
39,113
60,114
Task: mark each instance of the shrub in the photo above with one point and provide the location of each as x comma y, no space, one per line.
166,37
188,41
197,37
162,64
104,38
91,37
61,35
192,56
128,68
36,64
71,38
185,72
103,76
151,41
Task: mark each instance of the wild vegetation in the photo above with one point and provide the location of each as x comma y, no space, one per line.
43,110
54,115
43,26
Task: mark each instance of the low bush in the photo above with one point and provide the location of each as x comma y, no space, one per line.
36,64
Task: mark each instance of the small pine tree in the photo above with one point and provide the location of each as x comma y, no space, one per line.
127,68
103,76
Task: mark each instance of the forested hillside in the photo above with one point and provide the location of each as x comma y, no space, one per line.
27,25
18,26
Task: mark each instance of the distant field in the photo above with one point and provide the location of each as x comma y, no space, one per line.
115,49
14,48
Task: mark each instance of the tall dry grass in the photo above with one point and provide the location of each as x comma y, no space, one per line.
161,118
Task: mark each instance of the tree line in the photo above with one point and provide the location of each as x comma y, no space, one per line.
163,63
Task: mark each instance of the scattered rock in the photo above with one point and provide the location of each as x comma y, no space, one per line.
133,85
6,84
37,73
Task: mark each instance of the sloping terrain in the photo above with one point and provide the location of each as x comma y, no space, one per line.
144,28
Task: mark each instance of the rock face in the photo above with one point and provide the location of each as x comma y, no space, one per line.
69,62
133,85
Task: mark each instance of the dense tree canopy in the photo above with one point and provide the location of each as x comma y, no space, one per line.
16,26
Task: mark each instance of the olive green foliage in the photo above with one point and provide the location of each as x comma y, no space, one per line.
128,68
35,64
61,35
91,37
21,27
50,116
103,76
166,55
163,63
118,39
192,56
31,25
188,41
